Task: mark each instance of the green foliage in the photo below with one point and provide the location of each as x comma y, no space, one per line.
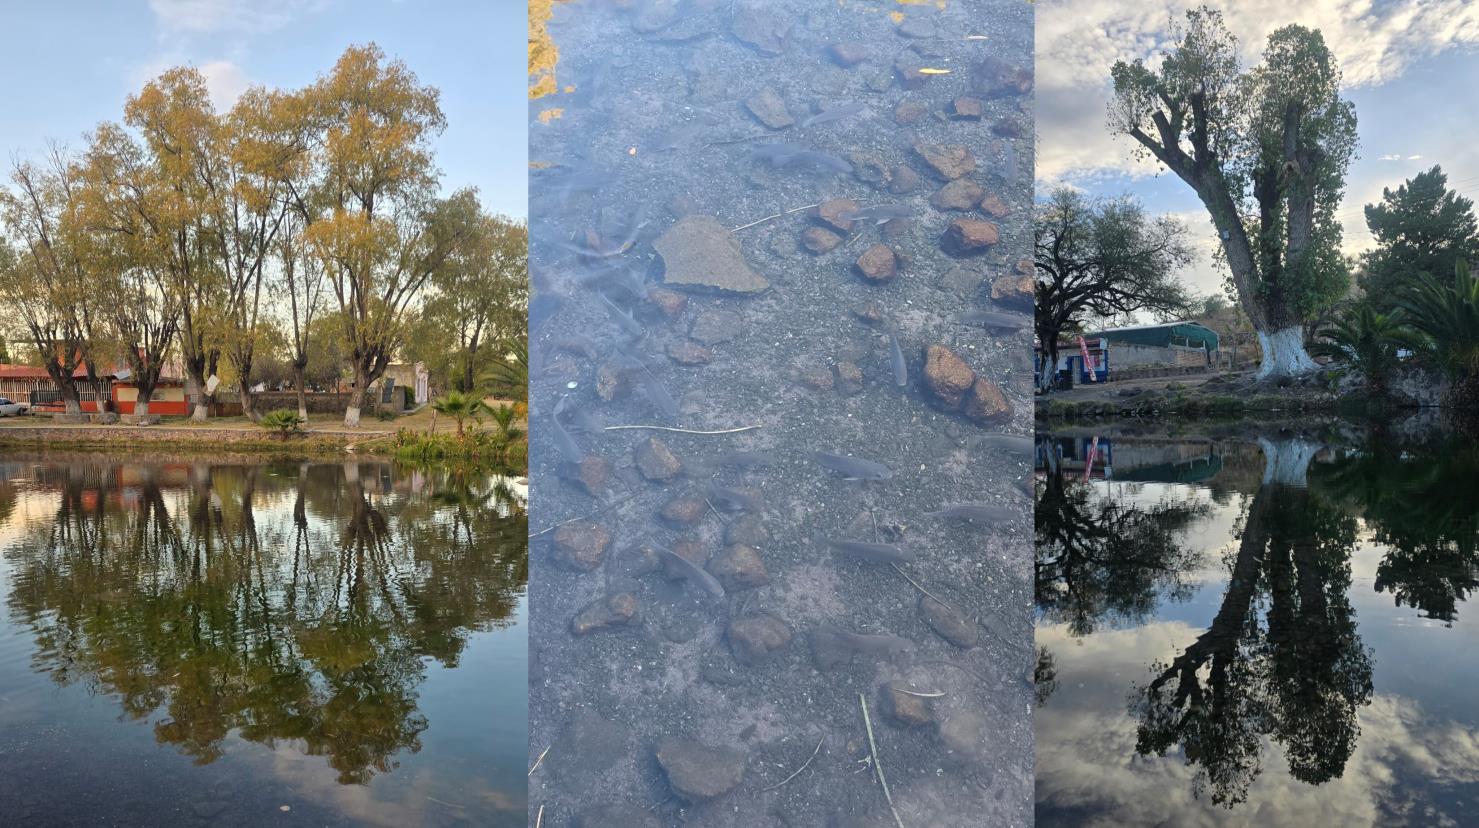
1365,338
508,378
284,422
1444,315
1422,228
478,448
460,407
504,417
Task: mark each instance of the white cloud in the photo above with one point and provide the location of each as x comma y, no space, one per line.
238,16
225,81
1389,157
1414,158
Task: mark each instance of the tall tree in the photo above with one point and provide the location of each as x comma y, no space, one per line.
1422,228
481,291
1266,152
1103,259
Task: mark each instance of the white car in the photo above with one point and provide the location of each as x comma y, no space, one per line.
13,409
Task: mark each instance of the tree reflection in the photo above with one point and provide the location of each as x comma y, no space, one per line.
286,602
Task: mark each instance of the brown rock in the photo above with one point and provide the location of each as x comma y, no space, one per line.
768,108
905,708
1014,290
993,206
1009,128
689,353
878,263
698,772
819,240
830,213
960,194
949,161
670,302
698,251
689,550
684,511
849,378
610,381
986,402
755,24
615,611
581,545
870,168
909,112
847,55
966,109
739,567
593,473
869,314
715,326
756,638
949,623
995,78
656,461
971,235
947,376
747,530
904,180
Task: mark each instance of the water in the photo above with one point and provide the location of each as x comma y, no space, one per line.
1265,627
197,642
659,130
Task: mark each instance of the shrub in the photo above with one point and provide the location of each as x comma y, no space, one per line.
284,422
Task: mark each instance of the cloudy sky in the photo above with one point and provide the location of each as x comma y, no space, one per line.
69,65
1410,67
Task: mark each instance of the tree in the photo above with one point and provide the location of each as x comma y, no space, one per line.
1365,338
1106,259
1444,315
1421,228
460,407
1266,152
384,232
508,378
480,293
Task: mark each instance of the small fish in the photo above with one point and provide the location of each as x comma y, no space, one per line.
792,155
995,319
872,552
695,574
563,441
733,500
657,393
1013,443
832,646
879,213
835,113
896,354
852,468
934,71
975,513
623,318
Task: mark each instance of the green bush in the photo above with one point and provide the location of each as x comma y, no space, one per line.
284,422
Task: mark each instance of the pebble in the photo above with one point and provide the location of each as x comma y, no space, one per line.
715,326
819,240
949,623
830,213
615,611
906,708
949,161
689,353
697,771
971,235
757,637
739,567
581,545
683,511
960,194
768,108
947,376
847,55
878,263
849,378
656,461
966,108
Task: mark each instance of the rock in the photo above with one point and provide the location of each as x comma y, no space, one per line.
689,353
591,746
847,55
961,280
747,530
995,78
966,109
950,624
909,112
817,378
684,511
878,263
947,376
581,545
968,236
1010,128
698,772
914,26
656,461
757,25
700,252
849,378
670,302
614,611
610,380
1014,290
986,402
757,637
830,213
593,473
819,240
739,567
870,168
949,161
907,709
112,417
768,108
624,814
869,314
689,550
910,76
964,734
960,194
715,326
993,206
894,230
904,180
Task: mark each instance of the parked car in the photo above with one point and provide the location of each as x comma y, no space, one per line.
13,409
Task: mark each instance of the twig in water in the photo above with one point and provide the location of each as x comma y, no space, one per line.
683,430
537,761
776,216
920,695
614,503
920,588
803,767
539,818
877,767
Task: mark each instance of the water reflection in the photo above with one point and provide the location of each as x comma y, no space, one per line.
1274,666
299,605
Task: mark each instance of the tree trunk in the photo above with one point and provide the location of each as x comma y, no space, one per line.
1284,354
141,405
200,408
356,402
302,394
71,400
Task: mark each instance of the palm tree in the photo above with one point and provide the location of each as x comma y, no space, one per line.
459,406
508,378
1445,319
1366,339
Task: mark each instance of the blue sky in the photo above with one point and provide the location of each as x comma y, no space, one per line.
70,64
1410,67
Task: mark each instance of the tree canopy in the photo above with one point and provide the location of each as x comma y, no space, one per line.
1422,228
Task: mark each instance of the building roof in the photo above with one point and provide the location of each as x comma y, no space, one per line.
1190,334
24,372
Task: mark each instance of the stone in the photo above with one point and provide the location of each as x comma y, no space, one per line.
830,213
870,168
700,252
715,326
878,263
907,709
698,772
757,637
947,376
960,194
590,745
1014,291
593,473
961,280
869,314
964,734
756,25
1010,128
739,567
949,623
896,230
909,112
910,76
819,240
581,545
993,77
949,161
919,27
986,402
847,55
614,611
670,302
747,530
768,108
966,108
684,511
993,206
689,353
610,381
904,180
849,378
968,236
656,461
689,550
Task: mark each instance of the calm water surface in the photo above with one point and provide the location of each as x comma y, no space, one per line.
1269,630
218,643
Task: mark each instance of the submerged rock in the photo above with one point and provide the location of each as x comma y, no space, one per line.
715,326
906,708
614,611
581,545
947,376
819,240
656,461
697,771
960,194
831,212
847,55
949,623
949,161
757,637
968,236
689,353
986,402
739,567
878,263
700,252
768,108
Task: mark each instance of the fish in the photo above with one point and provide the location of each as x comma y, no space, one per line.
563,441
832,645
1017,444
794,155
835,113
657,393
975,512
744,460
694,573
995,319
879,213
623,318
733,500
852,468
896,354
624,277
872,552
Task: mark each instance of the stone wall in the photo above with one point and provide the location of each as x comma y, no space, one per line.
320,403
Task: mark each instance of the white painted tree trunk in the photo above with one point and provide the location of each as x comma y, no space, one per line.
1284,354
1287,462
